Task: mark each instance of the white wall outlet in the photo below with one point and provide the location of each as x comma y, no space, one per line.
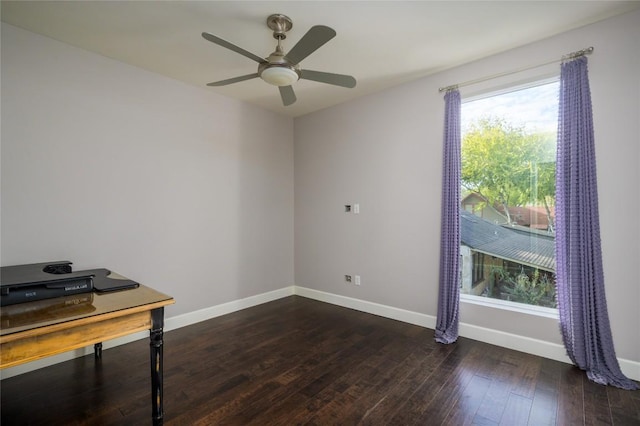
356,209
357,279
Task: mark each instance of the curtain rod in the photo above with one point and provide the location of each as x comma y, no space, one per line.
568,56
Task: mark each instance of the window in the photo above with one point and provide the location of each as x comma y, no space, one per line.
478,268
508,194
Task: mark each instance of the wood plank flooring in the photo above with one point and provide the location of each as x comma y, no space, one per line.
296,361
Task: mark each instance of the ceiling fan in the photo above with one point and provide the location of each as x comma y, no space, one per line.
283,70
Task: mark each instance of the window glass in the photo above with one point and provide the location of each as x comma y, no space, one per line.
508,195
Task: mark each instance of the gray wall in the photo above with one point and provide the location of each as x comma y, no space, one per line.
384,151
184,190
112,166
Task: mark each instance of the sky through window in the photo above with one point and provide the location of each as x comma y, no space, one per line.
529,107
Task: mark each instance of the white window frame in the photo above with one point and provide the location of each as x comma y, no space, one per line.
507,305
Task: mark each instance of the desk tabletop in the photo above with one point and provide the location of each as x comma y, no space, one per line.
22,317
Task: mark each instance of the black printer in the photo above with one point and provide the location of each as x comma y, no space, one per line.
38,281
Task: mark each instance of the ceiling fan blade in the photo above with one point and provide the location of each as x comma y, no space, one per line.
287,95
309,43
224,43
329,78
233,80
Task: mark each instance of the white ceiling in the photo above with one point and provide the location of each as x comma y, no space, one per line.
380,43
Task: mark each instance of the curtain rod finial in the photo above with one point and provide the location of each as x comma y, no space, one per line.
448,88
577,54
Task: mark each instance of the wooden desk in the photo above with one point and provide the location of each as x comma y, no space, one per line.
34,330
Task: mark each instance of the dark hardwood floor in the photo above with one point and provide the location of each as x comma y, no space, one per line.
298,361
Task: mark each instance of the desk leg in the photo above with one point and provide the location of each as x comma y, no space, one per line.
97,350
156,335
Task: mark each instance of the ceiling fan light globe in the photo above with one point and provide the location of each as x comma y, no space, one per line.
279,76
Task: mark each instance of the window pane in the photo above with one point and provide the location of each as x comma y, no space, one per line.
508,195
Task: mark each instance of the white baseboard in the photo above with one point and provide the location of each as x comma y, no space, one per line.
403,315
171,323
226,308
507,340
495,337
537,347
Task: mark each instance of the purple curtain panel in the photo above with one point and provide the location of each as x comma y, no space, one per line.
449,287
584,321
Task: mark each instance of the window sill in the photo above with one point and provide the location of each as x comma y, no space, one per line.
522,308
